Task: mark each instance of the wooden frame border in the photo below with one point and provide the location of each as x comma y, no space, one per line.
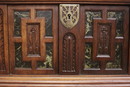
66,81
116,2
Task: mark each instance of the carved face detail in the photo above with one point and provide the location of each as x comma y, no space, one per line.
69,15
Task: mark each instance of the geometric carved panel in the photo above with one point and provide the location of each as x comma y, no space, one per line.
34,44
104,35
107,31
69,53
32,35
33,39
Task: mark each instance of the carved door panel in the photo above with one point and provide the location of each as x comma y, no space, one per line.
33,33
90,40
105,40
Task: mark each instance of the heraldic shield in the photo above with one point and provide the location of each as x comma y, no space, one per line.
69,15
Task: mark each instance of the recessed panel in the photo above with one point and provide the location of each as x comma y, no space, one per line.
17,20
119,17
116,64
90,15
89,63
47,14
49,56
19,63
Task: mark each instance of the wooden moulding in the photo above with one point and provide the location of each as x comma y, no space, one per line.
65,81
68,0
116,2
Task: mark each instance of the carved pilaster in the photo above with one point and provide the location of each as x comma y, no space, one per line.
2,58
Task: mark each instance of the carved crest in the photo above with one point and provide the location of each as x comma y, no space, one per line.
69,14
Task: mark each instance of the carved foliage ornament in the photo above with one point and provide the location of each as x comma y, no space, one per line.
69,15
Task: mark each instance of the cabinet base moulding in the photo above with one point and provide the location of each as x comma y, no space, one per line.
65,81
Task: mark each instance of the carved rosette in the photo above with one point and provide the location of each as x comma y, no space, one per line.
2,60
69,15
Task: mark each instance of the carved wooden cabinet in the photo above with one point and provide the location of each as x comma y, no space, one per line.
64,43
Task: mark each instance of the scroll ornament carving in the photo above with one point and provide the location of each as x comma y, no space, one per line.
69,15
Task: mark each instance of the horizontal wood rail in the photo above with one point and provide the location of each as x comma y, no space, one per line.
65,81
114,2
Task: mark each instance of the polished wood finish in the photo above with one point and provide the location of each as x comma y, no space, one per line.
69,0
115,2
95,41
69,46
4,62
66,81
61,80
26,23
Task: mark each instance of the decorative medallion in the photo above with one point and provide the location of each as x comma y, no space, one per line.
69,15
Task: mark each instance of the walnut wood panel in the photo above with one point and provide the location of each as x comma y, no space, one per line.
32,41
104,35
33,31
113,39
69,51
69,42
4,64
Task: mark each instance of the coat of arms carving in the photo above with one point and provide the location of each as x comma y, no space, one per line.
69,15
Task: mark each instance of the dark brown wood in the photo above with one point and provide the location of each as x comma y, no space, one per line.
129,48
103,43
124,40
30,54
69,0
4,63
116,2
69,48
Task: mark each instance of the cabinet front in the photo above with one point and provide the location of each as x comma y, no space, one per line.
68,39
